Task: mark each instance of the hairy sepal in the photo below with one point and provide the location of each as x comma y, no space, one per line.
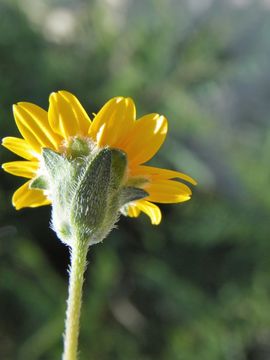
87,192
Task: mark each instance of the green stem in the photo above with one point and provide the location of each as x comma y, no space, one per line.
76,277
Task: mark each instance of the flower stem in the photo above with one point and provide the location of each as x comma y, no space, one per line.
76,277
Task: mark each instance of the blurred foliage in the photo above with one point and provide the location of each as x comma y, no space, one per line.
198,285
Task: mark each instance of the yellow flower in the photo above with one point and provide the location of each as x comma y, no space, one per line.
114,126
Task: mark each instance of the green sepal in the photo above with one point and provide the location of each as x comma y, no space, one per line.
40,183
118,168
53,161
129,194
87,190
137,182
90,197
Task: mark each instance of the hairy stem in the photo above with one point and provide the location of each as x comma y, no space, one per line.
76,277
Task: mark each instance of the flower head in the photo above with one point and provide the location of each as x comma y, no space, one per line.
66,133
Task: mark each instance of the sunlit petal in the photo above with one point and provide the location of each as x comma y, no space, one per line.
168,191
152,210
32,121
19,147
145,139
26,197
27,169
158,173
113,122
133,210
67,117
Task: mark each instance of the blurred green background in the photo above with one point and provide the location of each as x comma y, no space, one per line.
198,285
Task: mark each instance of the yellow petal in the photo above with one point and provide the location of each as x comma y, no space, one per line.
27,169
32,121
19,147
113,122
167,191
145,139
67,117
26,197
157,173
133,210
152,210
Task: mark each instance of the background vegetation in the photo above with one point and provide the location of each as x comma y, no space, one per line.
197,286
